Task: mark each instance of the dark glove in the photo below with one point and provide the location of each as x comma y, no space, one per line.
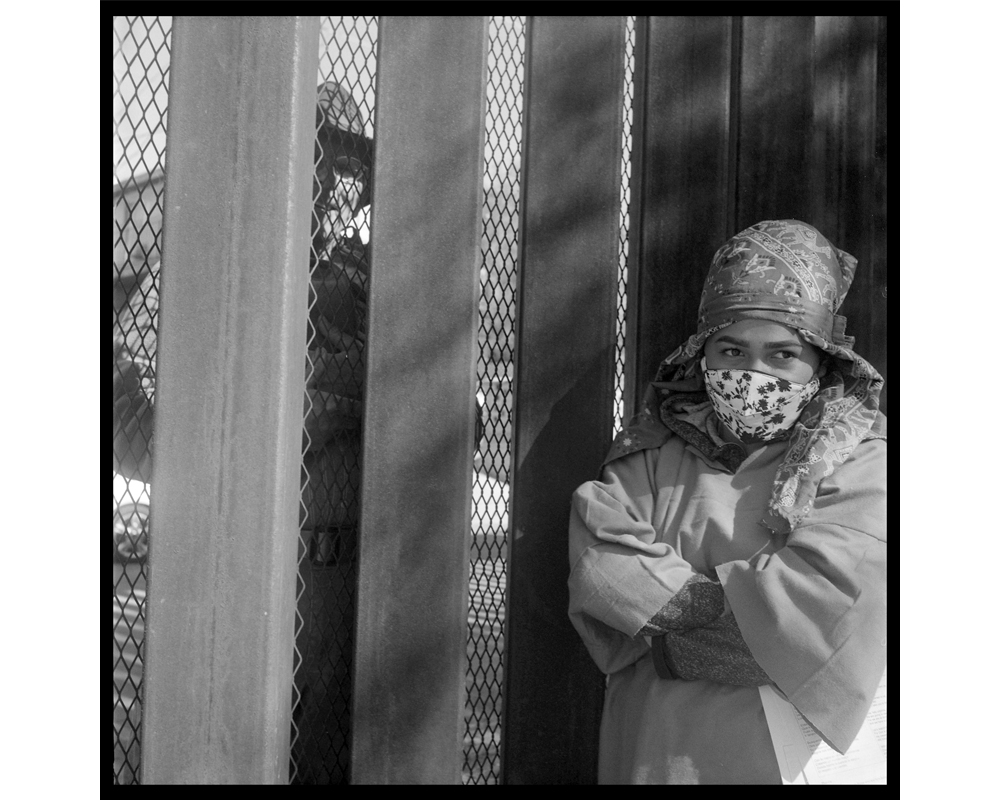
700,601
715,652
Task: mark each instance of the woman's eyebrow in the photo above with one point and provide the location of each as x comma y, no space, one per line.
732,340
769,345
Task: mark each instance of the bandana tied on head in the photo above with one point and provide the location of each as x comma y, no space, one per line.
784,271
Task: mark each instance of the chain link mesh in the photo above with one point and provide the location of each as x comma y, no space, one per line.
327,576
326,585
141,66
488,576
626,194
498,280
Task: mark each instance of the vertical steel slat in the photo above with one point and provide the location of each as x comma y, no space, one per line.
564,383
880,253
845,182
843,141
775,119
229,400
420,401
686,158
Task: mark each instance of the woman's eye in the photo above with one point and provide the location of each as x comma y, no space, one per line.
732,352
785,354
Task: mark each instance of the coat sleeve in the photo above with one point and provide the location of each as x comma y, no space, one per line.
814,612
620,576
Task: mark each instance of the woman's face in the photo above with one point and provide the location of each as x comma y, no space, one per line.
764,346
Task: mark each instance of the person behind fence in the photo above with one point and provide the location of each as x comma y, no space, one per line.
332,458
341,188
737,535
332,427
339,262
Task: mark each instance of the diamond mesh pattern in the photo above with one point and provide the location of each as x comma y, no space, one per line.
624,222
334,369
140,67
498,277
327,579
488,575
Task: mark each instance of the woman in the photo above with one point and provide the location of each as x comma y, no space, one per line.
737,535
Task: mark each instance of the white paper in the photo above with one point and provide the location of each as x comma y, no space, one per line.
804,758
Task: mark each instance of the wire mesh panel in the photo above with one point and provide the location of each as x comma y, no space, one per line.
141,66
320,735
620,354
499,286
498,275
321,729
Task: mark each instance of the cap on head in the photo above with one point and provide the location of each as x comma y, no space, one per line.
341,130
337,111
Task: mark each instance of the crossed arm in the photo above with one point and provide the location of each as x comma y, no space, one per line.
788,606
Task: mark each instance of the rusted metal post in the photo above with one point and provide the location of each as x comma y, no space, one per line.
230,391
409,680
564,385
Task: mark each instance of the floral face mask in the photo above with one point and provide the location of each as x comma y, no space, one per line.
755,406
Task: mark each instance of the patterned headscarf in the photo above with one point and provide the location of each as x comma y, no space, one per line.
787,272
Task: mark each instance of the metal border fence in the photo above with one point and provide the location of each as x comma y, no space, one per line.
141,68
339,267
560,146
325,594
